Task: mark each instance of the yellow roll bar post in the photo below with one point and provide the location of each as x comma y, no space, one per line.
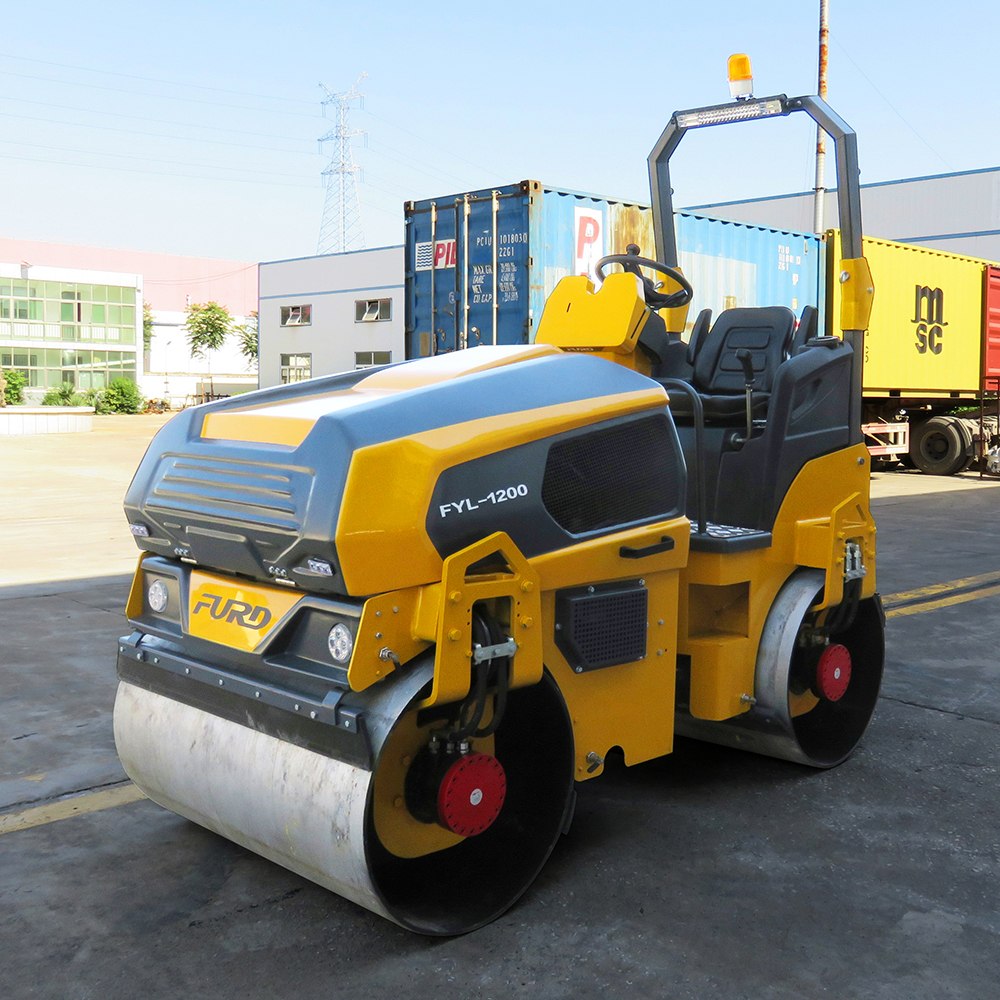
855,276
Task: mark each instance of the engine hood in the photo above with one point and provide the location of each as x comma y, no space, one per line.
342,470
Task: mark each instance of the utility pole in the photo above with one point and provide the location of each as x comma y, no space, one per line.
341,229
820,189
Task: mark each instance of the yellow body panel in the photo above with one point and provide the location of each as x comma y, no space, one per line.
396,827
578,318
239,615
388,621
725,598
925,332
399,552
630,705
460,590
857,293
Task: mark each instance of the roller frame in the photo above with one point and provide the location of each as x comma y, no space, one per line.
769,727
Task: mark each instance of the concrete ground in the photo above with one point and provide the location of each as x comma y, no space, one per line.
709,873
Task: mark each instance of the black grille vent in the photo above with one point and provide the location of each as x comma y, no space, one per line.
233,492
603,628
617,475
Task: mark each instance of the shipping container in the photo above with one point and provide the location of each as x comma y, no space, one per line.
925,335
932,348
479,265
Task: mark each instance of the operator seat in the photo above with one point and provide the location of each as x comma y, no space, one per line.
806,330
718,375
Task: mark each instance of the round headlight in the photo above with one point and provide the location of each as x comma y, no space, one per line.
157,595
341,643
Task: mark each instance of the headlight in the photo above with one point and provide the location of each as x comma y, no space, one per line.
341,643
157,596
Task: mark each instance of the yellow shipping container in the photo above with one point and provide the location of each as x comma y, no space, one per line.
926,331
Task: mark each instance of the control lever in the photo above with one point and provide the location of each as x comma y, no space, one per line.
745,358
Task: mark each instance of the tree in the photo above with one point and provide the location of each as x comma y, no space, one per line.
208,326
147,326
247,335
16,381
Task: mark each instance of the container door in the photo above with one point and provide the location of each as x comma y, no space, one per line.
991,326
467,260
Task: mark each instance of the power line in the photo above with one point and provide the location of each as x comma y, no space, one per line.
159,173
126,156
201,280
429,143
165,97
152,79
158,121
892,106
155,135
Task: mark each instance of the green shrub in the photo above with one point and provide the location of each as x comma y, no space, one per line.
95,398
122,396
63,395
16,381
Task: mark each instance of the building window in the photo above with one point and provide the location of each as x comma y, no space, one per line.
295,367
372,310
368,359
82,369
296,315
66,310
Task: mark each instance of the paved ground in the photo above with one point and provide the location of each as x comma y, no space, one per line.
706,874
61,502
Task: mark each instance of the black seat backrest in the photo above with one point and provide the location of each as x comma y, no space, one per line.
698,331
766,333
807,329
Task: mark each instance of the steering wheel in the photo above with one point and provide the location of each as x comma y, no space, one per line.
631,262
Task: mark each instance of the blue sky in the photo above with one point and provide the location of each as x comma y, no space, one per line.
191,127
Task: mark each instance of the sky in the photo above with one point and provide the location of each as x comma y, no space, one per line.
192,128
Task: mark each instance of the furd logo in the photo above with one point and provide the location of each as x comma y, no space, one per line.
233,612
928,315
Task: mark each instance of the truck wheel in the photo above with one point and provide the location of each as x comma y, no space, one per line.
937,446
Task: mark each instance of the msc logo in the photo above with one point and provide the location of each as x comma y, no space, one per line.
234,612
928,314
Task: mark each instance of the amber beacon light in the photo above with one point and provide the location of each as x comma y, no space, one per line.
740,76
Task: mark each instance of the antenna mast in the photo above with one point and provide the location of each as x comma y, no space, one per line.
341,229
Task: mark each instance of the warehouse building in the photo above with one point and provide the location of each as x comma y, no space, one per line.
74,314
958,212
331,313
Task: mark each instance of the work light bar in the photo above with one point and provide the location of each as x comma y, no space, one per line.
766,107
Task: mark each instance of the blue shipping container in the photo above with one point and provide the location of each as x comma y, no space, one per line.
479,265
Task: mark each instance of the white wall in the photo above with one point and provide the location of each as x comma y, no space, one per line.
330,284
173,374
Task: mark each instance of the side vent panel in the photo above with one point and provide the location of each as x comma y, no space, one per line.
616,475
602,626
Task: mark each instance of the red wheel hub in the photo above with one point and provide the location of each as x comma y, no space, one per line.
833,672
471,794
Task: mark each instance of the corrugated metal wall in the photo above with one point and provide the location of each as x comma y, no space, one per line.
957,212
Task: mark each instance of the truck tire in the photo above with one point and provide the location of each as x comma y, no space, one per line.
938,446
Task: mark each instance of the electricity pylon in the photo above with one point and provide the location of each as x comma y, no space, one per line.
341,229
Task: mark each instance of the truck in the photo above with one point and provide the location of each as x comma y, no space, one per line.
933,348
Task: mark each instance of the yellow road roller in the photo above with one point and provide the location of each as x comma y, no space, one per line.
384,621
